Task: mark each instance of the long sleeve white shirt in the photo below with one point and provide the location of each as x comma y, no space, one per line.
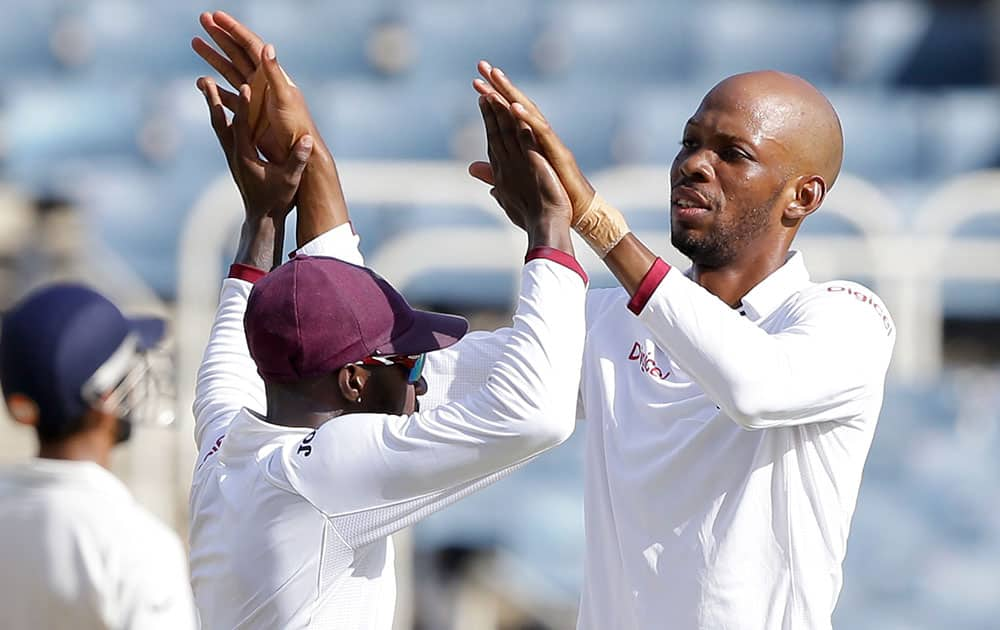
77,551
724,447
291,528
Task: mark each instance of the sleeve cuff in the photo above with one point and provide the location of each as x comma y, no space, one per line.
649,283
337,242
559,257
246,273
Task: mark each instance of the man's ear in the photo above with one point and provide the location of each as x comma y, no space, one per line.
809,195
23,409
351,380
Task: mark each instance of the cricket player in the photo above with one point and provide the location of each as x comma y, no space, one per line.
730,407
76,548
305,471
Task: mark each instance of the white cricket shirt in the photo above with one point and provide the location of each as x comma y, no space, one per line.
77,551
290,528
724,447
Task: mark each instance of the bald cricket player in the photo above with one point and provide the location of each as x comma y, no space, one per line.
730,407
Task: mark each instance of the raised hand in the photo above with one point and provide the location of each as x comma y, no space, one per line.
524,183
268,188
527,114
244,55
321,203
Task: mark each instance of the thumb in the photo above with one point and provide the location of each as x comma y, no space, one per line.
298,158
482,171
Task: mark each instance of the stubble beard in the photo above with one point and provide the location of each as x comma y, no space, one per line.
726,240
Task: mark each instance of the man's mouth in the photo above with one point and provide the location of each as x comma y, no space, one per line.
688,204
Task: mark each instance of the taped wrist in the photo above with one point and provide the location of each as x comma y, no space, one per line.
602,225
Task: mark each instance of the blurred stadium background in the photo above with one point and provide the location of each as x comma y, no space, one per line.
109,172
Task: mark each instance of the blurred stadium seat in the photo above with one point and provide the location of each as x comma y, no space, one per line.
319,40
962,130
389,119
954,50
879,37
732,37
638,42
882,133
46,121
448,38
653,121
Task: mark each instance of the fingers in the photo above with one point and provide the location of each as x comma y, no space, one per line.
494,142
504,87
237,55
276,78
508,126
547,140
483,172
486,89
242,135
216,113
548,182
218,62
250,42
230,100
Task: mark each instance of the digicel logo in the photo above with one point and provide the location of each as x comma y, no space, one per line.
866,298
646,363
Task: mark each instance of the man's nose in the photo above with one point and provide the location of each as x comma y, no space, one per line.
420,387
696,167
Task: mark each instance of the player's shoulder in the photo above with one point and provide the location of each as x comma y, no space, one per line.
850,300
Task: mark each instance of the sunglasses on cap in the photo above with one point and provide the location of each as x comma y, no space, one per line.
413,363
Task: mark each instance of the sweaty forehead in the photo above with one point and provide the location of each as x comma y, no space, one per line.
746,110
780,111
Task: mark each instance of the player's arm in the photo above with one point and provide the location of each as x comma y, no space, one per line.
832,360
828,364
602,227
374,462
227,378
242,54
390,465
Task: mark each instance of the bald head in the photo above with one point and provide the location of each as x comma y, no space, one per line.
789,111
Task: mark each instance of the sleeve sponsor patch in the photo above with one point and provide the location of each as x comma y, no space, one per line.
865,297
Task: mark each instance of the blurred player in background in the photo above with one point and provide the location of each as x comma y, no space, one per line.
304,474
729,407
77,550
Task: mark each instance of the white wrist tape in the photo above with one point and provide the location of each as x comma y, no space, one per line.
602,225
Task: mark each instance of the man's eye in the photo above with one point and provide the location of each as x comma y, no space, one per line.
732,154
688,143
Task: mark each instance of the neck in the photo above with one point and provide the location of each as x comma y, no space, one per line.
289,408
731,282
87,447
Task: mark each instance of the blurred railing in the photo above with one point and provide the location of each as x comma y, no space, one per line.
906,262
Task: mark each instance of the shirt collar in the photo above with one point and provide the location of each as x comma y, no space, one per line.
774,290
249,431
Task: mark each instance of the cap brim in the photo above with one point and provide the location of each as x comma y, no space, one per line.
149,329
429,332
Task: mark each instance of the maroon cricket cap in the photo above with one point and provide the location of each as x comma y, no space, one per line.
313,315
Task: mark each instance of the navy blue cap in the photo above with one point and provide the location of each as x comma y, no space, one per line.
54,340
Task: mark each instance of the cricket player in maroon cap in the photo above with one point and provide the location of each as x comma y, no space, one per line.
313,448
730,407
